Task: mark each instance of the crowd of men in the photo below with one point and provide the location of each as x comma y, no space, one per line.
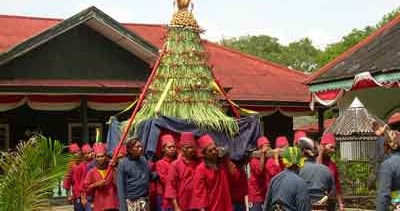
193,174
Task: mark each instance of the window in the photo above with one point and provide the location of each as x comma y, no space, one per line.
4,137
75,132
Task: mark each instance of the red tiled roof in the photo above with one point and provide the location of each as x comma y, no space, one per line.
313,128
71,83
251,78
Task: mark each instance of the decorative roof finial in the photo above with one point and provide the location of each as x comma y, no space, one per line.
183,5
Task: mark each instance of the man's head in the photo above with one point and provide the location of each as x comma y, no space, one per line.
87,152
168,145
121,153
101,158
74,149
281,142
188,145
291,158
134,147
100,154
392,141
328,142
208,148
297,135
379,128
263,143
308,147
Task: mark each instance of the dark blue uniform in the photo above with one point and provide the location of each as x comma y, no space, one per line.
389,181
133,180
319,179
290,191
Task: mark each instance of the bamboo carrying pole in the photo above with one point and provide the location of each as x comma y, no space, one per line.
139,103
223,93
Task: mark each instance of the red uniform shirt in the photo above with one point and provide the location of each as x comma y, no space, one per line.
180,183
153,189
239,187
211,188
333,168
273,168
162,167
257,181
75,178
104,197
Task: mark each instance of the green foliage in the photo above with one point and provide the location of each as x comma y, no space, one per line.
192,96
302,54
261,46
355,176
30,174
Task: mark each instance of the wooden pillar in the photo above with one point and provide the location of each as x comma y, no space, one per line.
321,121
84,120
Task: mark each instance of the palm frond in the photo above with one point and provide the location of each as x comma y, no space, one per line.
31,173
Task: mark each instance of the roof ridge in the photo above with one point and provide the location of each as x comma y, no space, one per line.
351,50
146,24
30,17
255,58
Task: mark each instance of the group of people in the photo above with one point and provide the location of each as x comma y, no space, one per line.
193,174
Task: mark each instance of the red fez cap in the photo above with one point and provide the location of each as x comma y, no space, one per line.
205,141
328,138
73,148
187,138
166,139
297,135
122,150
281,141
86,149
261,141
99,148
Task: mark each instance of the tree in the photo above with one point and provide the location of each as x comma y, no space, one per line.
263,46
302,54
31,173
356,35
335,49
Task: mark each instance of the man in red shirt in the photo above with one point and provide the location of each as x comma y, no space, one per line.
102,190
258,175
239,188
211,179
327,149
82,170
162,167
179,187
70,181
274,164
297,135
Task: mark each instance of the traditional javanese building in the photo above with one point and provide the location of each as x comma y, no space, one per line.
64,78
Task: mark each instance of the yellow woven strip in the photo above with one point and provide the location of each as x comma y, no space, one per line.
128,108
246,111
163,95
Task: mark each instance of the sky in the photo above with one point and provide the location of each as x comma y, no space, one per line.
324,21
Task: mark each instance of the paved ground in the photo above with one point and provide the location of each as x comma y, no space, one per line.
62,208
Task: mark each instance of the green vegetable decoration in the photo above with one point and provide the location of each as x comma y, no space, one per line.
191,93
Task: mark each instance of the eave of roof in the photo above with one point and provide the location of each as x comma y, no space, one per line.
252,79
100,22
314,77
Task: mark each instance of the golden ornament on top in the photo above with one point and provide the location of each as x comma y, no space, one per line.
183,4
183,17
